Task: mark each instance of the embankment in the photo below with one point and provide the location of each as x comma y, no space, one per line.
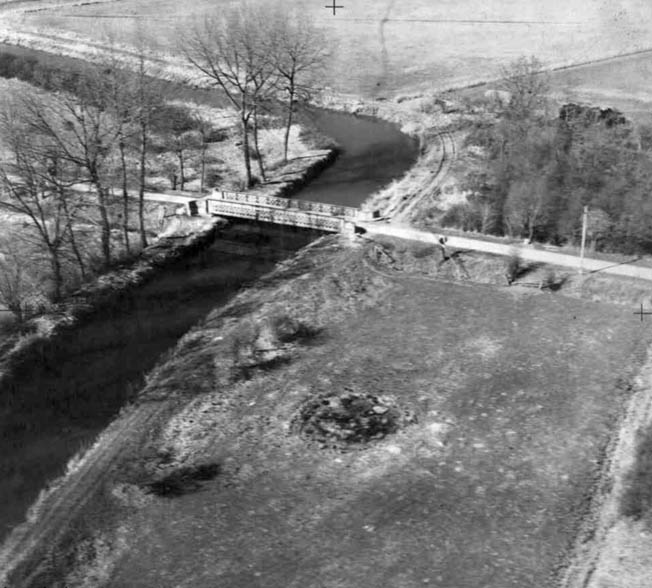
94,296
80,504
64,382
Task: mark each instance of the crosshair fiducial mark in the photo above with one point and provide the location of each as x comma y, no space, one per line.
641,312
334,7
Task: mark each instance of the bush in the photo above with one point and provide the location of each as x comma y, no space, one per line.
244,338
552,281
216,135
513,267
462,216
637,498
288,330
213,178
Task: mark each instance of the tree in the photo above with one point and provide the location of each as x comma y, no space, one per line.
16,286
528,85
123,107
205,130
299,52
597,226
525,207
178,126
147,103
35,186
231,50
81,129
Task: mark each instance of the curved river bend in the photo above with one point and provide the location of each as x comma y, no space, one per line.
53,408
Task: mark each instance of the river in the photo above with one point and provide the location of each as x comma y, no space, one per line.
56,406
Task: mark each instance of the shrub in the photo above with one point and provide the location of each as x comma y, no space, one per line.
462,216
244,338
216,135
287,329
549,279
552,281
213,178
514,266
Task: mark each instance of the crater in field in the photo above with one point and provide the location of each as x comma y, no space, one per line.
348,419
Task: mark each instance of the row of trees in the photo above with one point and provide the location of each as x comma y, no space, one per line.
75,168
257,55
75,159
540,169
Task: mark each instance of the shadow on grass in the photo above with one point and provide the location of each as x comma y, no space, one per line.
183,480
627,262
525,269
636,501
554,283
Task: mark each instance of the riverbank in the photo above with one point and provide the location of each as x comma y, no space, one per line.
38,380
92,297
437,127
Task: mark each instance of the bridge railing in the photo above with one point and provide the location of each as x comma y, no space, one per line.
345,212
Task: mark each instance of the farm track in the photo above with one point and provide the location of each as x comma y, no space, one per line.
25,554
584,558
402,210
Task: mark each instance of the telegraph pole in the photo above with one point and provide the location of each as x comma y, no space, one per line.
585,217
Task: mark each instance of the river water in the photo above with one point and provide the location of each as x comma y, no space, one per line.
59,404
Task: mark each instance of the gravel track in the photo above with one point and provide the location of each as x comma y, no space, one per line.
23,557
403,210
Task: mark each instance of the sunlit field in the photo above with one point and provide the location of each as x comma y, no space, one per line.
388,47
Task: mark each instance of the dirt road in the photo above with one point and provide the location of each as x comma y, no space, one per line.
24,556
526,252
443,157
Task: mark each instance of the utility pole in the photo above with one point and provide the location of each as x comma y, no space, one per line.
585,217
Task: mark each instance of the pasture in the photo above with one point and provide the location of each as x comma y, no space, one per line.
514,400
388,47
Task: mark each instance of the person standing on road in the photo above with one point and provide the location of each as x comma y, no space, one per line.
442,243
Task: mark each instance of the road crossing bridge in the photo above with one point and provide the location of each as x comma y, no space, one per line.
332,218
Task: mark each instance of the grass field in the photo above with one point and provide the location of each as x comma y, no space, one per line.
515,394
387,47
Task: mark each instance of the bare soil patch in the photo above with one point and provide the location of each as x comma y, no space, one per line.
349,419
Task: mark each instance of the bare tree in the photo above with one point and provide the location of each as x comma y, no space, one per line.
83,131
231,50
204,129
525,207
34,187
299,51
16,286
147,101
527,85
178,126
122,107
123,102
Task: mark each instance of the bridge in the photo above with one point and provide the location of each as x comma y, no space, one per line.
284,211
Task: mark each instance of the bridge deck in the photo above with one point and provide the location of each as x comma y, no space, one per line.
285,211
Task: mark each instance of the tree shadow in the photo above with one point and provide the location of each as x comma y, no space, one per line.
525,269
